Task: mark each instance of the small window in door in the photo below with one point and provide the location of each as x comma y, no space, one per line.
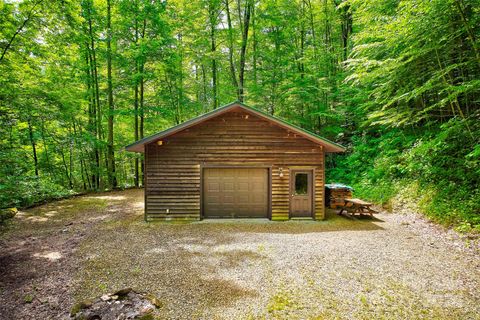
301,184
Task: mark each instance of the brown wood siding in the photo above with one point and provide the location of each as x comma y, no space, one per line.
173,179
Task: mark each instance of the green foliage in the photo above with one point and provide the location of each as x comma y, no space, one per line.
418,59
28,298
415,67
6,214
281,301
396,81
25,191
436,167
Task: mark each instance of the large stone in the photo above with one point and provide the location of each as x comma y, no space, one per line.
132,305
106,297
147,309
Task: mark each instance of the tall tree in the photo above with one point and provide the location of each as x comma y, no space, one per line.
245,23
111,154
78,80
213,18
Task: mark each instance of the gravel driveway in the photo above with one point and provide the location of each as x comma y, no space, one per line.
392,267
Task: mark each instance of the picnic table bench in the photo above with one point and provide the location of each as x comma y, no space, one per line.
353,206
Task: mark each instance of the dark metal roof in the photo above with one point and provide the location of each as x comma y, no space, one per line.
329,146
337,186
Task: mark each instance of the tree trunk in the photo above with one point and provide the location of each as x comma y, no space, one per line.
142,83
181,89
142,110
110,151
67,174
95,81
92,180
70,158
204,81
44,140
254,35
346,26
97,109
243,50
231,49
34,147
471,35
212,14
137,175
19,29
136,104
83,170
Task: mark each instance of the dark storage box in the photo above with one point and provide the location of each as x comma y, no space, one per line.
335,193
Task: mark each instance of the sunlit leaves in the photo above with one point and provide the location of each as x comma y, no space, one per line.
415,61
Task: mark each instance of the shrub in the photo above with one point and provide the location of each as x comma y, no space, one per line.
444,163
23,191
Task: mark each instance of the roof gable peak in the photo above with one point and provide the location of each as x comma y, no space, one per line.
329,146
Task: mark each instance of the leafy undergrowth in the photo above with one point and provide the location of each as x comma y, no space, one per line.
25,191
436,170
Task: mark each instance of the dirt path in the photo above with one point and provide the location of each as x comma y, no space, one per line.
393,267
38,257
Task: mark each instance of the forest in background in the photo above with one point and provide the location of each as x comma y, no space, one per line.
395,81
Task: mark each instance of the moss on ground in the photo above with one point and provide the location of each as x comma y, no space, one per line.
281,301
395,301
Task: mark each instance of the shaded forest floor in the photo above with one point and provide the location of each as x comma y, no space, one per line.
393,267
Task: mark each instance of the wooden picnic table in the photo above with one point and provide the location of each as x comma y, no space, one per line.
353,206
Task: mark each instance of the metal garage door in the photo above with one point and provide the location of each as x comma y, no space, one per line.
235,193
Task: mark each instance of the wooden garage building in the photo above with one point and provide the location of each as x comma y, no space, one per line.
234,162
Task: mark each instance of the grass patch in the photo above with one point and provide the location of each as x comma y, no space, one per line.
282,301
398,301
28,298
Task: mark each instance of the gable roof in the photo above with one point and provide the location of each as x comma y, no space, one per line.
329,146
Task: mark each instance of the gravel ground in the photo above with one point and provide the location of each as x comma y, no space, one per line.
396,266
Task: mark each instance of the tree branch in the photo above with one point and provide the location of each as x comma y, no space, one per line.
29,16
